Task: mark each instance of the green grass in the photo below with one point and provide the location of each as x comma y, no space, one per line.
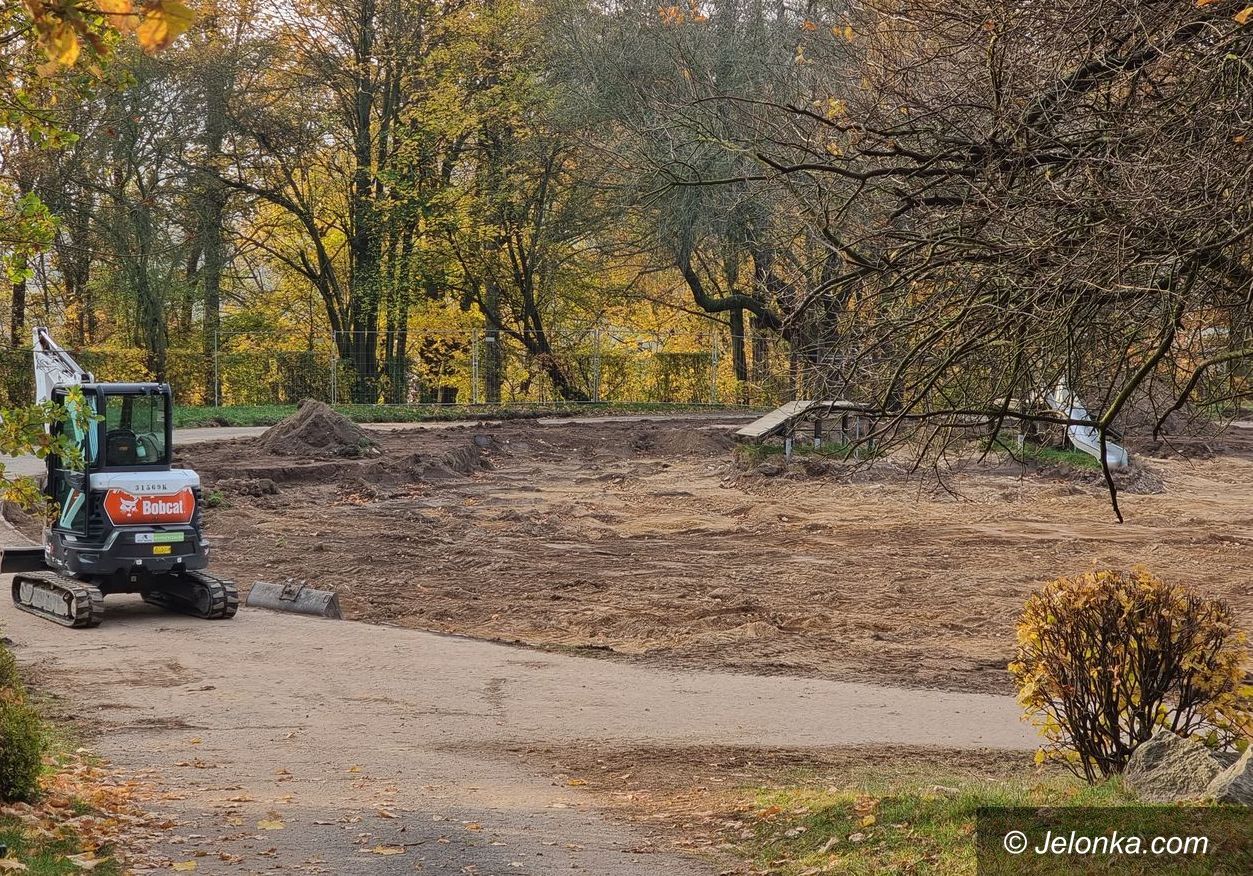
755,453
893,825
268,415
1067,457
44,855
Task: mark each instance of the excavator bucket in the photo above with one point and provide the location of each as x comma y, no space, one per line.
294,596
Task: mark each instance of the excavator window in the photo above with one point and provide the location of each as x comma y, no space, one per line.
135,429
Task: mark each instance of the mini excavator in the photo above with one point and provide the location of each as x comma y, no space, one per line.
129,522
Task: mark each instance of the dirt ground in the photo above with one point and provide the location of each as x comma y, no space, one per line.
646,539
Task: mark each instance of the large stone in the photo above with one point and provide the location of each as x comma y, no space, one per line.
1235,783
1168,768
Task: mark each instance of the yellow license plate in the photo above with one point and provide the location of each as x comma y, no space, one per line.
162,549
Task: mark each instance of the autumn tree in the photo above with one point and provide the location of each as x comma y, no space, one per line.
1022,196
657,84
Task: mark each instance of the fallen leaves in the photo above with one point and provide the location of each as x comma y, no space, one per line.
386,850
84,802
184,866
86,861
271,824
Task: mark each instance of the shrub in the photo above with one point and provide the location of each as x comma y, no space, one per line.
1107,658
21,735
21,748
10,678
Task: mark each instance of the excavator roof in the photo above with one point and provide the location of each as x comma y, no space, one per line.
128,388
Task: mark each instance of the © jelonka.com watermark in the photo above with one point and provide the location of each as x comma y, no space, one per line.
1115,840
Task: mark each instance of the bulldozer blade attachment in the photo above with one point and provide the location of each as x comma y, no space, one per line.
296,597
14,560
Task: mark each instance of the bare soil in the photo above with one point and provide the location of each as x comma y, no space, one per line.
648,540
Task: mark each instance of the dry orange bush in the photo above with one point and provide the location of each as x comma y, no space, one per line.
1107,658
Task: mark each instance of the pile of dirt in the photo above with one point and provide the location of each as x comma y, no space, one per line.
247,486
316,431
459,461
667,441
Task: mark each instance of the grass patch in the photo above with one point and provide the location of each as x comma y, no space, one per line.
47,855
1066,457
892,826
756,453
71,821
268,415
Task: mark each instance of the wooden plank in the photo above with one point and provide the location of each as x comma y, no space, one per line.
789,414
776,420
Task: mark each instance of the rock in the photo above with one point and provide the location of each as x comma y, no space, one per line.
1234,785
1168,768
769,469
816,467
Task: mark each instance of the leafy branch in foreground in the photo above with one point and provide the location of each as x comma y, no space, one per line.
24,431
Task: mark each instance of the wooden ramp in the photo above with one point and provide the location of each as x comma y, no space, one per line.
784,418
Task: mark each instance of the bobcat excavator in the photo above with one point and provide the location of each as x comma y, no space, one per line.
129,522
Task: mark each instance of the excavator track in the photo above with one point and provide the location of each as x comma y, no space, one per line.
197,594
60,599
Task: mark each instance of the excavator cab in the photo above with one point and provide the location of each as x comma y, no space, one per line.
128,429
136,425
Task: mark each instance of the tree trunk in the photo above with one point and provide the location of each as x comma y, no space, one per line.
365,244
738,357
493,349
17,315
213,202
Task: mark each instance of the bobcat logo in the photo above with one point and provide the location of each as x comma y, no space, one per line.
125,508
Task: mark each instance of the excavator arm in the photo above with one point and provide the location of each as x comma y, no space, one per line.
54,366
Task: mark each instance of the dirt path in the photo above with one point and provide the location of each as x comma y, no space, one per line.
332,728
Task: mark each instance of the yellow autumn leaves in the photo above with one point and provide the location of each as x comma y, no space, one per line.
1105,658
64,27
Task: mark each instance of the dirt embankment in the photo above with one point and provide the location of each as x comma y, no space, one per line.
644,539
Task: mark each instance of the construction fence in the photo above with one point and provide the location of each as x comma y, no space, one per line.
447,368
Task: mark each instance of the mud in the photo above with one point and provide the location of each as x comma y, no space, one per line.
314,431
648,541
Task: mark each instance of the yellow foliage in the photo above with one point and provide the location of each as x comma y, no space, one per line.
163,23
1106,658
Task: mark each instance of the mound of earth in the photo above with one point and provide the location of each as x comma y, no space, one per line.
682,442
317,431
